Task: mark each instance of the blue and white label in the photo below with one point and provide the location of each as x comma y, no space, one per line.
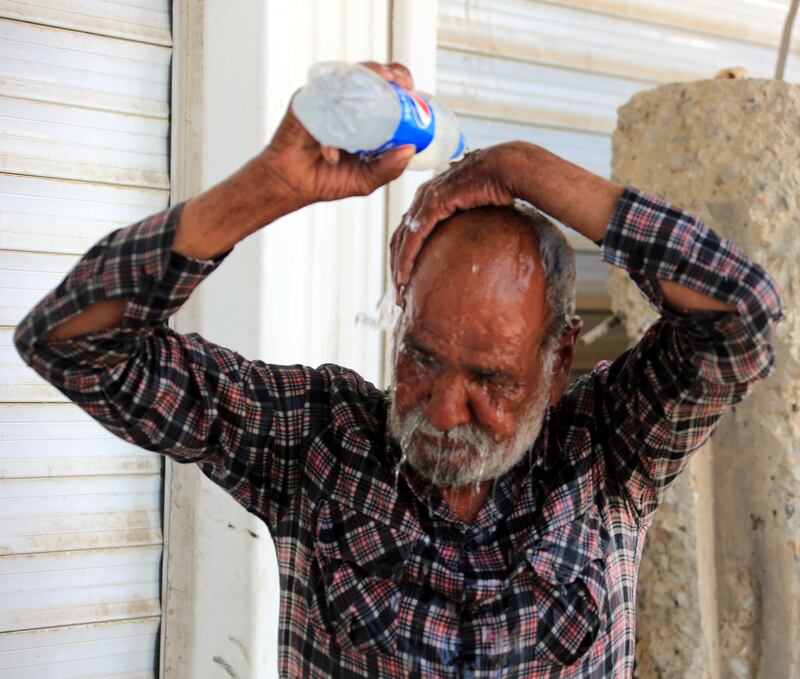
417,123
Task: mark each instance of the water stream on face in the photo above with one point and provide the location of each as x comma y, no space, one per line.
405,442
465,456
482,454
388,311
403,459
461,457
437,475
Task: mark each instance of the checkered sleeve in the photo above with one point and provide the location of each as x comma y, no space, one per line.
661,400
176,394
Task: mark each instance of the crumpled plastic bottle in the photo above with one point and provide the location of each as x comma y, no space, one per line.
350,107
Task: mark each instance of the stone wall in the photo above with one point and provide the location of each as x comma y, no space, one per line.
720,581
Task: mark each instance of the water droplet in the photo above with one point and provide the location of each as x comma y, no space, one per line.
400,463
411,224
388,311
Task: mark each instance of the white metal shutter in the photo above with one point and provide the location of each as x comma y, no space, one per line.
84,121
554,73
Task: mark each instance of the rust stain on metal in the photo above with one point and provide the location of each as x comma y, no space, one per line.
225,665
241,646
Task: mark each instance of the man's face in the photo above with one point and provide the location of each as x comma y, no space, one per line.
472,380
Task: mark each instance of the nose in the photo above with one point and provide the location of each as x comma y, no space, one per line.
448,405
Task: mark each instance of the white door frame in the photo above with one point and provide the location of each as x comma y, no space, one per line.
235,68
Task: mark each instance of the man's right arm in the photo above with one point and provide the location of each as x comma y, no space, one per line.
101,337
209,226
169,393
292,172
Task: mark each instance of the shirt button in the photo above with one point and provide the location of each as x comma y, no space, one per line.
470,546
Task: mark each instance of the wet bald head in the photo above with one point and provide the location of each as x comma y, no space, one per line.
506,261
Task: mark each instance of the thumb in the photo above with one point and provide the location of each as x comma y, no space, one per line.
389,165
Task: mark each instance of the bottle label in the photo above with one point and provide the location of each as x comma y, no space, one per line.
417,124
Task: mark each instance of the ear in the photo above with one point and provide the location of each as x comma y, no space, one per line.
563,358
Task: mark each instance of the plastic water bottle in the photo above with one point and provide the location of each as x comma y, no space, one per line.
350,107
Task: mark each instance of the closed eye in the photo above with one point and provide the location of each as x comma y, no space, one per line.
420,355
496,379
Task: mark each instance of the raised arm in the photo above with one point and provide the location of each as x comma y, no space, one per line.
500,174
658,402
290,173
101,337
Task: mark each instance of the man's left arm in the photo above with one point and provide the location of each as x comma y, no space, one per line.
500,174
661,400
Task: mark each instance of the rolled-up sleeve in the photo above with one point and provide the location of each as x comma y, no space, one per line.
136,264
661,400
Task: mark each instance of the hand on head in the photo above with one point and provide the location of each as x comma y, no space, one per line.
306,172
489,176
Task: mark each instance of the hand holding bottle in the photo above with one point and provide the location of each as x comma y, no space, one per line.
350,107
305,171
293,171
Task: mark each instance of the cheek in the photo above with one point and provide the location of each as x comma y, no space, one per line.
497,416
506,425
410,387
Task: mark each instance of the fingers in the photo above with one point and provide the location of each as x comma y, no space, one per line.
414,235
395,247
394,73
399,243
330,153
387,166
402,75
363,176
470,183
430,206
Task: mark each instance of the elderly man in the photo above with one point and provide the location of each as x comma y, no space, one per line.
481,518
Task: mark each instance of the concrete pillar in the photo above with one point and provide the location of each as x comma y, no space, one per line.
720,581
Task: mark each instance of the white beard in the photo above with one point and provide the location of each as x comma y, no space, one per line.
481,458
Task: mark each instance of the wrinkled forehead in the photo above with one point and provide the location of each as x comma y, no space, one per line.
479,272
488,251
492,228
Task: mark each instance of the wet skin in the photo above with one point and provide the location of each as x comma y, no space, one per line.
470,339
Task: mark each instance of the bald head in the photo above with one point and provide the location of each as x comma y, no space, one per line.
494,245
493,257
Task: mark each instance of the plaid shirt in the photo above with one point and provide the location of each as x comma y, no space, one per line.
378,577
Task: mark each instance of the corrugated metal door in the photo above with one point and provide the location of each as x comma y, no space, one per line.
84,121
555,72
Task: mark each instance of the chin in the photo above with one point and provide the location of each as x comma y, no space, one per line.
465,454
448,466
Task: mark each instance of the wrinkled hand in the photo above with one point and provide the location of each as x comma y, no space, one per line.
490,176
308,172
